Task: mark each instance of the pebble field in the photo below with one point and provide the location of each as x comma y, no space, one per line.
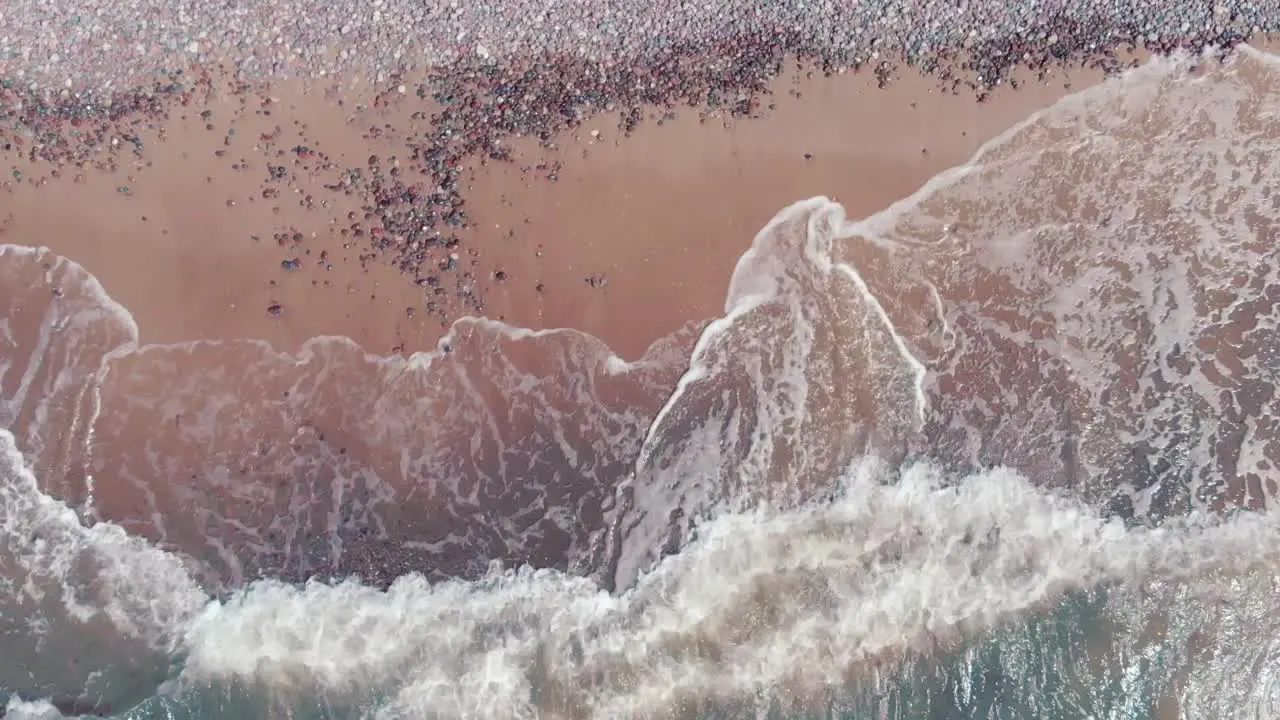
84,46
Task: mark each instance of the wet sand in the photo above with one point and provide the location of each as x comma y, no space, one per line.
634,237
662,216
238,218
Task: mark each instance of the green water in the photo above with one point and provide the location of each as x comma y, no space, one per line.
1040,669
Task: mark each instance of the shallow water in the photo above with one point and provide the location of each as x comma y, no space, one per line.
1004,450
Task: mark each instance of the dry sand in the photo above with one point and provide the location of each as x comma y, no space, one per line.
637,236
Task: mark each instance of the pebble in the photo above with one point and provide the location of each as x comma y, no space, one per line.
98,44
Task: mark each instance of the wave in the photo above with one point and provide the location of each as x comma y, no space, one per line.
799,602
1079,302
905,563
1004,448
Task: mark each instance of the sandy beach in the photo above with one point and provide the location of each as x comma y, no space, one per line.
634,237
984,456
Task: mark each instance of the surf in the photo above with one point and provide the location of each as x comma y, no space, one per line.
987,432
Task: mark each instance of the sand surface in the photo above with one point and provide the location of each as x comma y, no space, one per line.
635,237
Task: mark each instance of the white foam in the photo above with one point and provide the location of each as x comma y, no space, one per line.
748,379
1078,262
78,326
765,275
759,602
17,709
77,592
1142,79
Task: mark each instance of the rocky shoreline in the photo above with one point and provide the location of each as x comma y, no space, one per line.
412,208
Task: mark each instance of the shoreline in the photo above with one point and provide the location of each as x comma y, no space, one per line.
340,202
384,215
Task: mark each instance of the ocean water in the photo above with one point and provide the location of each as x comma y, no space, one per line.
1004,450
